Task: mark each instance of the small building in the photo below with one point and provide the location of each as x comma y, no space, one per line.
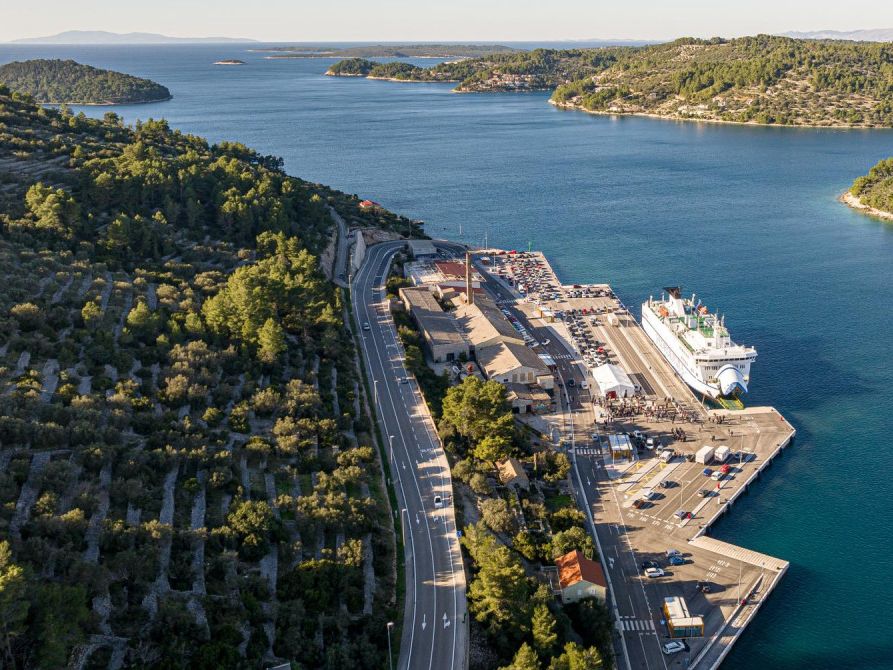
511,473
526,399
422,248
369,204
613,382
580,577
620,445
512,363
443,339
680,622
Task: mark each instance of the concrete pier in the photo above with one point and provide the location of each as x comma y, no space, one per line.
581,326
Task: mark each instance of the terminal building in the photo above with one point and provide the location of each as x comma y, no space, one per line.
680,622
443,339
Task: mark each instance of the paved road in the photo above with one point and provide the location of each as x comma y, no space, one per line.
636,603
339,273
435,623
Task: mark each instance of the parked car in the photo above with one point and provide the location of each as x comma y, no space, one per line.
438,502
653,573
649,443
673,552
638,503
677,560
717,476
672,647
703,587
647,494
667,483
707,472
726,469
681,514
703,493
650,564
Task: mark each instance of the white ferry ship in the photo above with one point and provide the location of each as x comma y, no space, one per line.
697,344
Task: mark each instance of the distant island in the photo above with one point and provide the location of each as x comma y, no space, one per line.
870,35
391,51
104,37
872,194
765,79
229,61
70,82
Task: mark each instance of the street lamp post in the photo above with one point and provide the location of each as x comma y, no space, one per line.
390,653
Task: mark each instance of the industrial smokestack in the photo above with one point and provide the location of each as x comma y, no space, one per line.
469,289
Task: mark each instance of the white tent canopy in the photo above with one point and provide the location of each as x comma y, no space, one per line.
613,380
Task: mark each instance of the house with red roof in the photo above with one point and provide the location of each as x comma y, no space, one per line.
580,577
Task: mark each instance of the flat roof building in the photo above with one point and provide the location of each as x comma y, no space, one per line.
680,622
443,339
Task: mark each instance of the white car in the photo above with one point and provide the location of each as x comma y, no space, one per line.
673,647
366,326
651,573
647,494
438,502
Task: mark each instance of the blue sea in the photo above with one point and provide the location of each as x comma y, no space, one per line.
746,217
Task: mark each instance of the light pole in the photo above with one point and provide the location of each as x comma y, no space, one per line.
390,653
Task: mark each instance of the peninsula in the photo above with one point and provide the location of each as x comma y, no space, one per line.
761,80
70,82
872,194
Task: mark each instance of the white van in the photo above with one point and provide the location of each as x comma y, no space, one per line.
666,456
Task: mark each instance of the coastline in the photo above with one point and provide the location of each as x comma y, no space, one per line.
107,104
688,119
852,201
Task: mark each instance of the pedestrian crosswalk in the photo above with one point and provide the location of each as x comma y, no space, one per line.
563,357
587,451
637,624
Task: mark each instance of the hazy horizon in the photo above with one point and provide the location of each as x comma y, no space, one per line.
427,21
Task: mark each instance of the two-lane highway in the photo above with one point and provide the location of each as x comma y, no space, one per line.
434,623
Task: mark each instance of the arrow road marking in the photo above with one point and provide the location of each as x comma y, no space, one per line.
424,623
446,622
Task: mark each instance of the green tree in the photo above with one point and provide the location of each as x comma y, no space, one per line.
478,410
544,629
13,603
525,659
573,538
576,657
270,341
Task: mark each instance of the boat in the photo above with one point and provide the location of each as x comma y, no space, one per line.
696,343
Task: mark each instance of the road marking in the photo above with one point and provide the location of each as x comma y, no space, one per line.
446,621
424,621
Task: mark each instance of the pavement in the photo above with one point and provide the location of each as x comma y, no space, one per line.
626,537
435,623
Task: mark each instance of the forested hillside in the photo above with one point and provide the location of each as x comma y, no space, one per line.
762,79
66,81
187,477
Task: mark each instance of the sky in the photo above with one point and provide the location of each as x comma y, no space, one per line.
431,20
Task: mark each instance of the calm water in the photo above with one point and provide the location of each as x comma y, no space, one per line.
747,217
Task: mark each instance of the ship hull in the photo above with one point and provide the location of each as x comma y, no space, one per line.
660,336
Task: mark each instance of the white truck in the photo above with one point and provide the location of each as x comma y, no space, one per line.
721,454
704,455
666,456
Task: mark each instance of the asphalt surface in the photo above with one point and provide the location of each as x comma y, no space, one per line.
434,633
